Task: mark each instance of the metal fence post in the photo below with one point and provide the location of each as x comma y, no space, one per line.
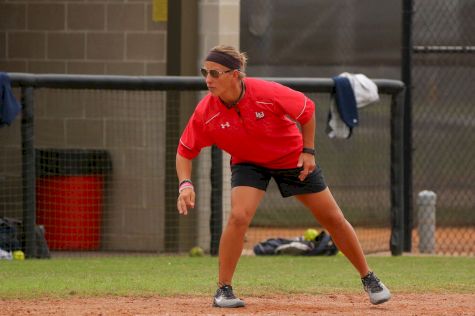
216,219
406,69
426,221
28,171
398,166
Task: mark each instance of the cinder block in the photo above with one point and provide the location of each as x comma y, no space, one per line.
129,191
91,68
57,103
105,46
12,16
147,47
46,16
85,133
125,68
66,46
50,132
26,45
56,67
156,69
3,45
86,16
126,17
141,221
124,133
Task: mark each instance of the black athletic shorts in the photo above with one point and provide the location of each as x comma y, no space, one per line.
289,184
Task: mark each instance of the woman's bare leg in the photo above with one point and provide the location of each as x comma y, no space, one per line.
244,202
325,209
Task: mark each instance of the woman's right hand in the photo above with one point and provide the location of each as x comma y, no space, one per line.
186,200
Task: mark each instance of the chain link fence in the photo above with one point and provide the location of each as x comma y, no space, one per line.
301,38
443,114
307,38
95,173
357,171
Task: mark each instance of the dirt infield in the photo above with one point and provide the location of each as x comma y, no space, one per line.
340,304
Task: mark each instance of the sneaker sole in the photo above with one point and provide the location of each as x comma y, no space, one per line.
381,301
230,306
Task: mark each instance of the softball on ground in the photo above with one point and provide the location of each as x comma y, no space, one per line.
310,234
18,255
196,252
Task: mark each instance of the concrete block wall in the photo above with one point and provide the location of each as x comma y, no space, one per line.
106,37
81,37
111,37
130,126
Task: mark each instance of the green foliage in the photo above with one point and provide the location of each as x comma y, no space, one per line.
179,275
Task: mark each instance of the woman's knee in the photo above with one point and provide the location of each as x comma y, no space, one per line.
240,219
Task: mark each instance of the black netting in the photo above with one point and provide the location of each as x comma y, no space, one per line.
444,120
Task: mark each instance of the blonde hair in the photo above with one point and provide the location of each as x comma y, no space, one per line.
233,52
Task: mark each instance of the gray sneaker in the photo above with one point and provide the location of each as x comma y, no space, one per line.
225,298
378,293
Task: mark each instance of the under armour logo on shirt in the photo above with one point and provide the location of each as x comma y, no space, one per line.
225,125
259,115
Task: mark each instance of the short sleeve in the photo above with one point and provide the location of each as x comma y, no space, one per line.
294,103
194,138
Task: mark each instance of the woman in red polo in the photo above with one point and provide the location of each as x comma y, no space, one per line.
255,121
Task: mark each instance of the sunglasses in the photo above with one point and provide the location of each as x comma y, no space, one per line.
213,73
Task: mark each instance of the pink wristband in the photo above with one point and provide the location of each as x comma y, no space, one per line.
184,186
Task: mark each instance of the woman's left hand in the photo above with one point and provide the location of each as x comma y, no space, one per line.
307,162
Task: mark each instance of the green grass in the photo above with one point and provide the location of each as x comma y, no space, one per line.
178,275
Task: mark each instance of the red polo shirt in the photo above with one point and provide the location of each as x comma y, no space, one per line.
261,131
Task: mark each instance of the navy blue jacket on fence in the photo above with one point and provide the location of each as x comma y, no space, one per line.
9,106
343,114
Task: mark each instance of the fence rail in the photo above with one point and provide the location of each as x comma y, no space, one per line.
385,86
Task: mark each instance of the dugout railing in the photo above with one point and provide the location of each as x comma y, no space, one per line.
29,83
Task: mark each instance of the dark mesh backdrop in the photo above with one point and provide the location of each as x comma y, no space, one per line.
305,38
444,117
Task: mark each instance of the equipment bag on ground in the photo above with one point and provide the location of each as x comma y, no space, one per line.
322,245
